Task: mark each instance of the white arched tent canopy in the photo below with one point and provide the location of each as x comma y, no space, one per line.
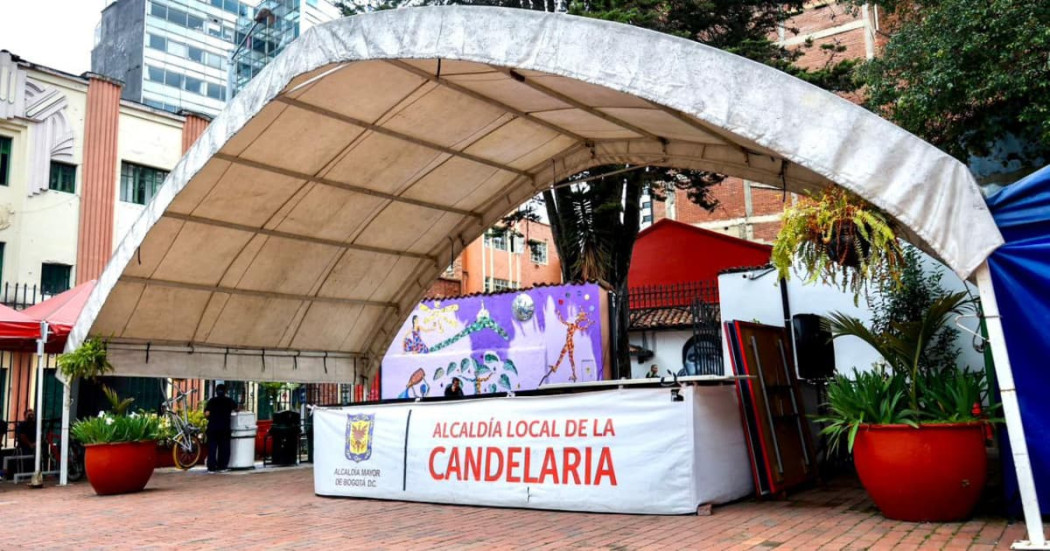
301,229
317,208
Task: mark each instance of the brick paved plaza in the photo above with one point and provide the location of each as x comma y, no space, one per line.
277,509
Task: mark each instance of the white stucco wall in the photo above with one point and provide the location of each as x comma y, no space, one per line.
666,347
43,227
755,296
145,138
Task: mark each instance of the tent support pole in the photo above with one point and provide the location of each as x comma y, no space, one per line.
38,477
1012,413
67,401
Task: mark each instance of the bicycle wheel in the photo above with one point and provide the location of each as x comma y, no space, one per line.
76,466
187,451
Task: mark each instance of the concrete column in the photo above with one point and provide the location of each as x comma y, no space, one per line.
99,190
192,129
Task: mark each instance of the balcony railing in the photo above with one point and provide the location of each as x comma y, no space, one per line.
22,295
673,294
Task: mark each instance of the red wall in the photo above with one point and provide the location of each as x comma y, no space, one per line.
673,252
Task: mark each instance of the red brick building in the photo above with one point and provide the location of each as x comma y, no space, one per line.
826,32
502,259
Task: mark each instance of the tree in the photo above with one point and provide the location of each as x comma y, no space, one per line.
595,223
966,75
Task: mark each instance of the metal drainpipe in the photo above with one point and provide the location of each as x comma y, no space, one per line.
787,320
749,211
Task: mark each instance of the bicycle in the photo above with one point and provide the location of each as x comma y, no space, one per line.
187,448
75,470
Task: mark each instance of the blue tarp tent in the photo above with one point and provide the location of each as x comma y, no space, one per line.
1021,276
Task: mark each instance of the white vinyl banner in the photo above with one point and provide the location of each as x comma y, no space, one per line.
623,451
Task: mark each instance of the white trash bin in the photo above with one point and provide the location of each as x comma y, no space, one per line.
242,440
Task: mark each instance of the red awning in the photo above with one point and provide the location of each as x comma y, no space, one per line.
17,330
61,312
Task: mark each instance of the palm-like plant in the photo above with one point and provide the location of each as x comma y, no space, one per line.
117,405
869,397
903,346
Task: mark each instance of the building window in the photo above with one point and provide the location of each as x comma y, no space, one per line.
538,252
158,42
173,79
495,285
177,49
194,85
311,2
54,278
138,184
5,161
216,91
194,23
647,218
517,243
496,239
162,106
63,177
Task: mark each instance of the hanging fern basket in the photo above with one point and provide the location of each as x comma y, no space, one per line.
846,248
839,239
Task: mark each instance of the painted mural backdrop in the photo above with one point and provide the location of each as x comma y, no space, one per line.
497,343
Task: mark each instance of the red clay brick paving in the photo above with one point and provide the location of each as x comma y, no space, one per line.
277,509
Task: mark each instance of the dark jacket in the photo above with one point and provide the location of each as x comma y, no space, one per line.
25,431
219,409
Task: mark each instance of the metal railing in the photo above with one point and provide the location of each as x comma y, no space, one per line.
22,295
672,294
689,305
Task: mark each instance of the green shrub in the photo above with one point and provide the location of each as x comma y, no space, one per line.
108,428
870,397
883,398
88,361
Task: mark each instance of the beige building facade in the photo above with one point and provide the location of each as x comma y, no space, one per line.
55,157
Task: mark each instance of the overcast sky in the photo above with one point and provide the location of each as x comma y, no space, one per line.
54,33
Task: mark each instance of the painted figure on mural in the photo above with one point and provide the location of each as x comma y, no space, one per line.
580,323
438,318
416,387
414,343
496,343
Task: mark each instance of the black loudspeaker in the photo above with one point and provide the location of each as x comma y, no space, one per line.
814,350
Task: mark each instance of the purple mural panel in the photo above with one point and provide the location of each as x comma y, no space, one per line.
496,343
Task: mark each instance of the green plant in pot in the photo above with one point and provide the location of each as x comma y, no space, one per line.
119,447
838,238
89,361
916,429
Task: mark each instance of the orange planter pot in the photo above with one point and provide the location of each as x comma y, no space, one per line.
164,457
120,468
931,474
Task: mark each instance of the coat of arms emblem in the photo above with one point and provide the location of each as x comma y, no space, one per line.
359,436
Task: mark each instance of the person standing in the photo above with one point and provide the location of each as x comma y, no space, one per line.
218,412
653,372
25,439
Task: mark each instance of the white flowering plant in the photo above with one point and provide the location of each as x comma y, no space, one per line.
109,428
